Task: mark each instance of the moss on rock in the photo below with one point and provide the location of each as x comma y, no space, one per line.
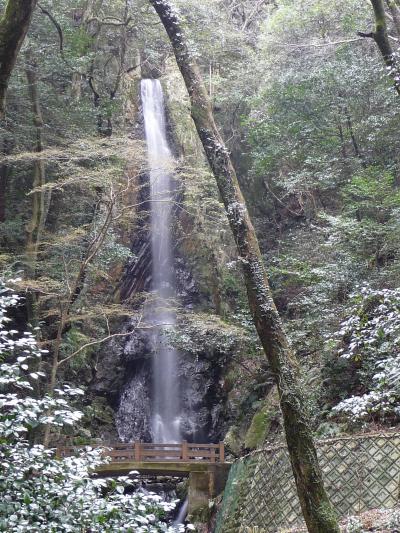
258,429
262,421
233,441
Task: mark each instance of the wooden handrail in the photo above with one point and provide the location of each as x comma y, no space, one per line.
155,452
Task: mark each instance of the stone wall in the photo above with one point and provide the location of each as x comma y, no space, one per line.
360,472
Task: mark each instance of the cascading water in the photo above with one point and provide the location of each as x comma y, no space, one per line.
182,514
166,408
160,395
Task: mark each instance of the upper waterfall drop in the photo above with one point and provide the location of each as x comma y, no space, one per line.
166,405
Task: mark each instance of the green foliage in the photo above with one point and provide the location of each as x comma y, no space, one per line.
72,341
79,41
372,193
369,339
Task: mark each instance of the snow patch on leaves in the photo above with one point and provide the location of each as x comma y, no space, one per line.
370,335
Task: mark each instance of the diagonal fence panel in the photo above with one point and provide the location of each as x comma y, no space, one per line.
360,472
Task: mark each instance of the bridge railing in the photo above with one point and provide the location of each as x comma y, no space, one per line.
154,452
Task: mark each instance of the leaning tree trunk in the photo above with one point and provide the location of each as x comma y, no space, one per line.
317,510
14,25
381,37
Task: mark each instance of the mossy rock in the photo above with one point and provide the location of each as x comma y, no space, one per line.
182,489
261,422
233,441
101,411
258,429
200,516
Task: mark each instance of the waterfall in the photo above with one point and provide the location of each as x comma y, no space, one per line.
183,511
166,407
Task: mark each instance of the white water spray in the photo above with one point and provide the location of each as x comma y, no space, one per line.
166,408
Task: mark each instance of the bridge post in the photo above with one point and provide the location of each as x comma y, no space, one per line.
199,493
221,452
185,455
137,452
204,485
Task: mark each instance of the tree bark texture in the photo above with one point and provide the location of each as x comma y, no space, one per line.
36,224
5,150
317,510
381,37
14,25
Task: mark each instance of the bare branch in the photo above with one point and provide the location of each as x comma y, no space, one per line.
60,38
110,22
92,343
369,35
329,43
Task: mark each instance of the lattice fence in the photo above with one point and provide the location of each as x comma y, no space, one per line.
360,473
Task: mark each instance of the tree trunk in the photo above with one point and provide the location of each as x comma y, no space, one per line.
349,124
35,226
6,149
381,37
40,204
54,366
3,190
14,25
82,21
317,510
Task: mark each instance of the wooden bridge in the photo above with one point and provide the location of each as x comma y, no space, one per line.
203,464
144,452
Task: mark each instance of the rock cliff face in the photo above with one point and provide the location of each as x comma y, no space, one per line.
198,381
133,417
124,377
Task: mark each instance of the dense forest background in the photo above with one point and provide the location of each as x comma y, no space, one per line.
308,109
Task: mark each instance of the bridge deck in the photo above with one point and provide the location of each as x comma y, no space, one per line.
162,468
